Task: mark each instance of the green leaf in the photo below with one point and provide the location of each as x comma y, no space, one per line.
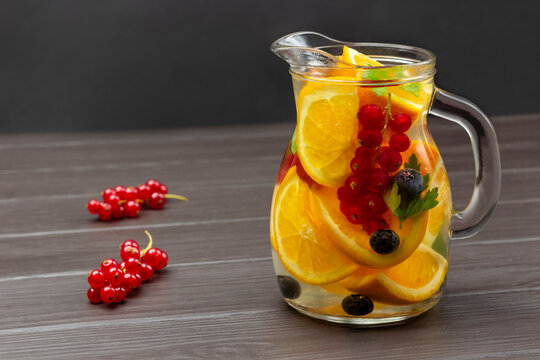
293,143
376,74
380,91
392,198
413,88
418,205
426,182
412,163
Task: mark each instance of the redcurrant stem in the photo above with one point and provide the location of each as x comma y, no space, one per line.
150,242
177,197
388,109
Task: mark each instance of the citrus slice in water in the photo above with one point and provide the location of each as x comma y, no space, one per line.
440,215
416,279
303,253
327,131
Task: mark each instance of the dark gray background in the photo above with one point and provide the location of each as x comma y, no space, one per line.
120,64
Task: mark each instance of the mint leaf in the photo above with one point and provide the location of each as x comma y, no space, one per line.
376,74
392,198
418,205
380,91
293,142
413,88
426,182
412,163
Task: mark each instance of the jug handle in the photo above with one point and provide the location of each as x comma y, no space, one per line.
487,163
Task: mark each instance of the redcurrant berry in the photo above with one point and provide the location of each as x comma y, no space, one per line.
121,294
152,257
130,242
343,206
96,278
108,294
389,159
105,212
94,206
93,295
144,192
146,272
163,189
355,183
345,195
400,123
302,174
139,279
122,265
370,138
164,260
373,224
365,153
154,185
113,200
133,265
131,193
130,282
373,203
355,214
106,193
132,209
120,190
107,264
118,212
157,200
360,165
371,117
400,142
114,276
379,180
128,252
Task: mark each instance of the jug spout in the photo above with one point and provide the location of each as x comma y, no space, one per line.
307,48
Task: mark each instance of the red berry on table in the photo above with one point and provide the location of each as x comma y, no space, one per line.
144,192
163,189
106,193
105,212
400,123
154,185
157,200
114,276
146,272
121,294
355,214
122,265
108,294
389,159
107,264
93,295
128,252
131,193
379,180
130,242
96,278
373,203
152,257
130,282
132,209
118,212
94,206
370,138
139,279
120,190
113,200
373,224
133,265
400,142
371,117
164,260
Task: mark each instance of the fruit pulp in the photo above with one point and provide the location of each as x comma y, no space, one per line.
349,241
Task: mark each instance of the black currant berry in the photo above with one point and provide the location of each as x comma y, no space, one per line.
410,182
384,241
357,305
289,287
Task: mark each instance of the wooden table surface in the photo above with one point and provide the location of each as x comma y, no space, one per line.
218,298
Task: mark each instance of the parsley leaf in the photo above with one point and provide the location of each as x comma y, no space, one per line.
293,143
392,198
413,163
376,74
413,88
380,91
418,205
426,182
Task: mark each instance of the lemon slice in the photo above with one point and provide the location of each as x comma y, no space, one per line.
416,279
303,253
327,131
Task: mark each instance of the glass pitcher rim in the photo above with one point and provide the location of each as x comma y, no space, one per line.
418,65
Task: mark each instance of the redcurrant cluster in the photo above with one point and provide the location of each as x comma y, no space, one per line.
128,201
361,198
113,281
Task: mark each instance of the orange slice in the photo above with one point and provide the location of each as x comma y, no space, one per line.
416,279
272,234
440,215
306,255
353,241
327,131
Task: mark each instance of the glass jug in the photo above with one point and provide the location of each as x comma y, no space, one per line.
362,209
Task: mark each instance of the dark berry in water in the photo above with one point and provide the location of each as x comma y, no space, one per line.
384,241
357,305
289,287
409,181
